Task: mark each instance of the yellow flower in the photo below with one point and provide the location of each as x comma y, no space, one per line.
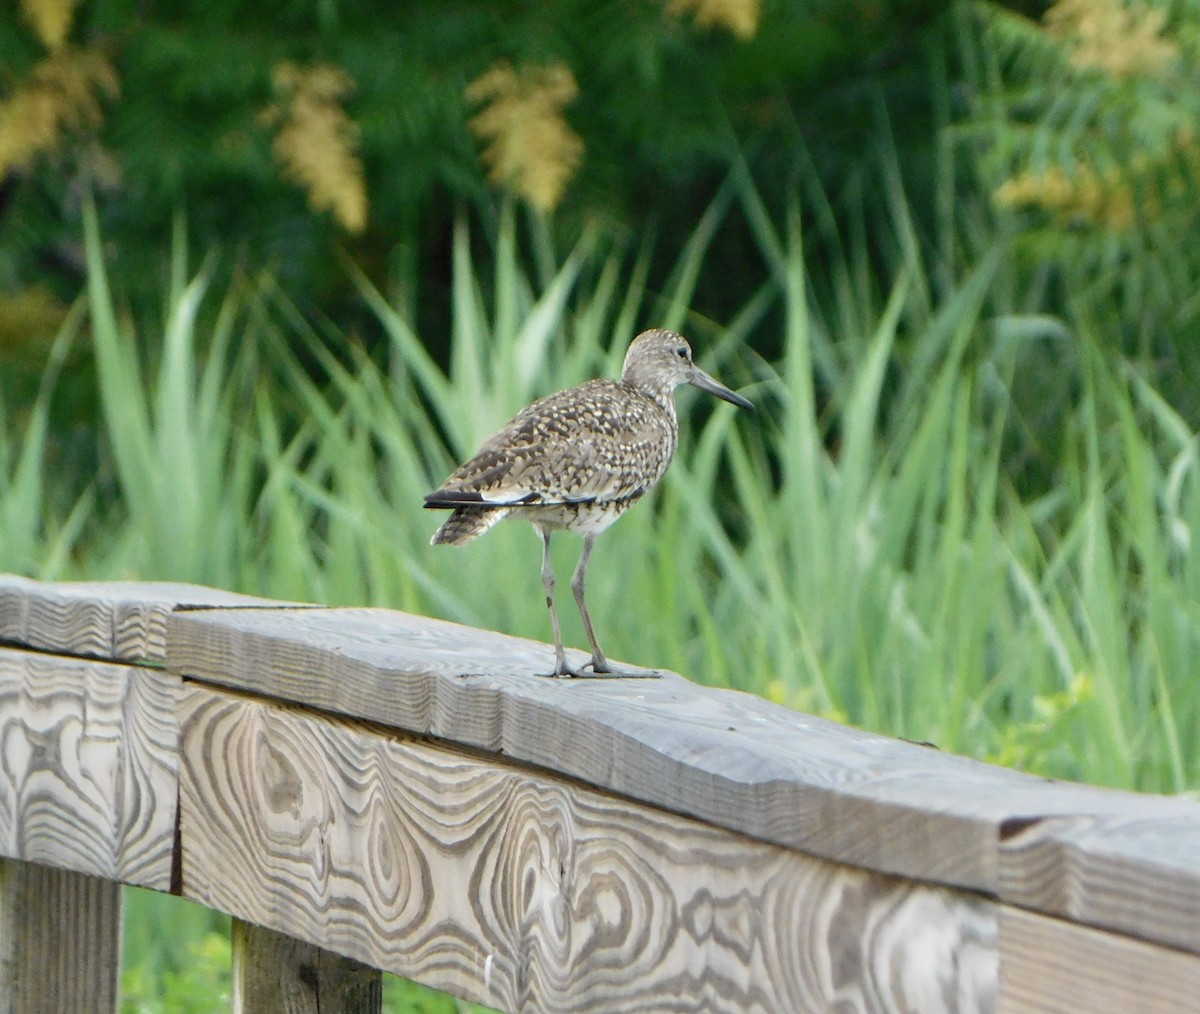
61,93
1121,39
530,148
316,140
739,17
1083,197
49,19
27,318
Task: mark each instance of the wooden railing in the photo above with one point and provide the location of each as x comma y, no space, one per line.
364,789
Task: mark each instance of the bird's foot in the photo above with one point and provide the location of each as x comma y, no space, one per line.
561,672
608,673
597,669
604,671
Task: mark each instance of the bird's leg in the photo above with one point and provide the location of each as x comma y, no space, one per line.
560,656
599,663
578,579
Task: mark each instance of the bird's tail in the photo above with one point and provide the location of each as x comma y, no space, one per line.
466,524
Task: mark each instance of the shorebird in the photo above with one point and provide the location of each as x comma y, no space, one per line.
576,461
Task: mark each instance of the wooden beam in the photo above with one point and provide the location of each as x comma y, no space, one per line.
729,758
1137,876
277,974
530,892
543,887
115,621
60,941
88,766
1056,967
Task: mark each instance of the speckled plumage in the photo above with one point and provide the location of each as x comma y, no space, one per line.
577,460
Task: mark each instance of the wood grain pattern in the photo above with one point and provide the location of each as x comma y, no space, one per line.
60,941
1056,967
729,758
1137,876
116,621
532,893
88,766
279,974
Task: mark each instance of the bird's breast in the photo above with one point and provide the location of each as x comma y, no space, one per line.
586,518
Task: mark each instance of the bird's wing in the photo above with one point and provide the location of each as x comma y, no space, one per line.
593,443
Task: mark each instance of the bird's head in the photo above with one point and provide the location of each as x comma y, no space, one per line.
659,361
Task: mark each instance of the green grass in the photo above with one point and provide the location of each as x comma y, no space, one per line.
872,545
35,538
176,956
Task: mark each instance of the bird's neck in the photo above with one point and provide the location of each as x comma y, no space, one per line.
663,394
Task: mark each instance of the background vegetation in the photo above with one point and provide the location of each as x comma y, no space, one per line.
267,274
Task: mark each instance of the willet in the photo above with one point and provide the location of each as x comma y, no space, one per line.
576,461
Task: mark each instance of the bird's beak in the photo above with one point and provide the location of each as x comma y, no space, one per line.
703,381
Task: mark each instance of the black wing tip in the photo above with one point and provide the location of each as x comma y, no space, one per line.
442,499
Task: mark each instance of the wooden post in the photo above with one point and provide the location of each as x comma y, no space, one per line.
277,974
60,941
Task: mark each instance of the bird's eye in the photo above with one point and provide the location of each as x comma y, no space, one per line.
681,352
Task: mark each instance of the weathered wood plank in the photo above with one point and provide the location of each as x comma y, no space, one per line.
1137,876
88,766
277,973
1056,967
530,892
115,621
60,941
725,757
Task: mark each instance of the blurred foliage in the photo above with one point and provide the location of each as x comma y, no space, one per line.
1085,120
175,956
201,985
249,117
